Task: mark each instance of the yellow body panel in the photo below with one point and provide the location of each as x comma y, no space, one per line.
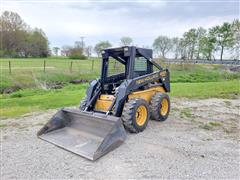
104,102
146,94
106,97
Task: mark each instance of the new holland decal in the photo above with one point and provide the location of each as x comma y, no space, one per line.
149,78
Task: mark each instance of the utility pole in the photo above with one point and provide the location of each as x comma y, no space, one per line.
82,41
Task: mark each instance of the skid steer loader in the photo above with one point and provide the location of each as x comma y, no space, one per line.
126,99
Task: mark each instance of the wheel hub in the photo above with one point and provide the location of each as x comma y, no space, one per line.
164,107
141,115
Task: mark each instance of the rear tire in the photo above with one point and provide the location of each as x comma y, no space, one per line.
135,115
160,106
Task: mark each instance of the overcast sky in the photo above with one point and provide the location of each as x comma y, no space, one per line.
66,21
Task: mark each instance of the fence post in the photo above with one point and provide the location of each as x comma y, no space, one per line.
10,67
44,65
92,64
71,66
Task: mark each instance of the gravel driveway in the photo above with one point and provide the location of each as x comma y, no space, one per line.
199,140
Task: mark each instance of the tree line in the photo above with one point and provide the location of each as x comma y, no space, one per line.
196,43
17,39
202,43
80,51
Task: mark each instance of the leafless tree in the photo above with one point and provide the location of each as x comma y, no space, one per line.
126,41
162,45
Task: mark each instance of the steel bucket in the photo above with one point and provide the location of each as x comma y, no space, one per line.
87,134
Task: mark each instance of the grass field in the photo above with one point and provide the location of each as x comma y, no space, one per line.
28,73
190,81
30,100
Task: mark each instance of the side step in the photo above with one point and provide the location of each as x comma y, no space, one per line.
87,134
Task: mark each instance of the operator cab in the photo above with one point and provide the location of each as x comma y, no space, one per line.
119,64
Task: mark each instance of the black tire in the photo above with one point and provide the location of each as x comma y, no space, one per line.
130,110
83,104
156,106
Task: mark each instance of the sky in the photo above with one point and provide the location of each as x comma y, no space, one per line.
65,21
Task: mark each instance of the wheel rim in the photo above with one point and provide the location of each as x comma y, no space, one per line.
164,107
141,115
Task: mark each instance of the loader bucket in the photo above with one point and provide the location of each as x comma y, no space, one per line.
87,134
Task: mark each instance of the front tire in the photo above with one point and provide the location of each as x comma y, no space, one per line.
135,115
160,106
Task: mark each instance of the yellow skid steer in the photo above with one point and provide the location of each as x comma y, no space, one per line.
114,102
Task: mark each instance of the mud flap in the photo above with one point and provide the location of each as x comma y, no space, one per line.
87,134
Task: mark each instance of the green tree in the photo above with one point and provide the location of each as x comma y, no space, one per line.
236,36
88,51
223,36
176,49
12,29
55,50
162,45
17,39
37,44
126,41
190,39
201,35
183,48
206,47
77,52
100,46
65,50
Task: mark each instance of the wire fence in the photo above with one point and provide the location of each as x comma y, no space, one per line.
83,66
203,61
45,66
48,66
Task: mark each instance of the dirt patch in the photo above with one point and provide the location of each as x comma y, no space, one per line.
235,68
79,81
42,85
180,147
9,90
212,114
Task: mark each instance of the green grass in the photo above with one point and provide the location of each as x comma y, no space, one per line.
27,73
190,81
206,126
28,100
3,125
223,89
213,123
186,113
210,125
